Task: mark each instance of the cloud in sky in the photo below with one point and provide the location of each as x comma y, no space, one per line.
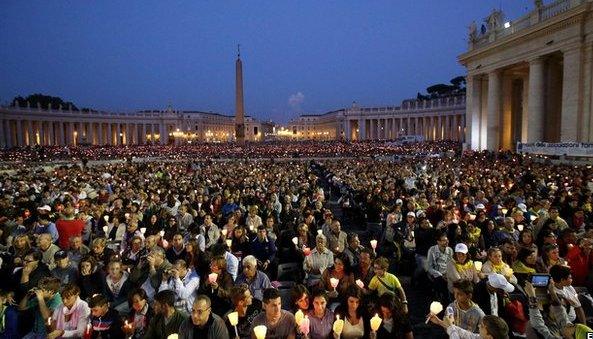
296,100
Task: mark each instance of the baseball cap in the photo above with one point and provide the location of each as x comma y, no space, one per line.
522,207
411,214
498,281
60,255
420,214
45,208
480,207
461,248
399,202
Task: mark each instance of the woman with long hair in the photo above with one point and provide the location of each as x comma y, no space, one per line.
341,271
91,279
356,324
525,264
395,322
140,313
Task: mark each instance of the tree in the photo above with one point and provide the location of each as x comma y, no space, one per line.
43,100
459,82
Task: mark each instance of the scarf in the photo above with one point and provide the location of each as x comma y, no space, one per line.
464,267
498,268
115,287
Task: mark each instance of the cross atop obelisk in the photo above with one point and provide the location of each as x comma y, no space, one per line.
239,108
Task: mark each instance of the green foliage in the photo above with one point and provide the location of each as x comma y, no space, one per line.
43,100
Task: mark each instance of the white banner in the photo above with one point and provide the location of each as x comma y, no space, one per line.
570,149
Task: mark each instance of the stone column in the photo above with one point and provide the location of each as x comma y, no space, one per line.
2,134
118,136
572,98
100,133
535,127
164,134
109,134
494,108
9,134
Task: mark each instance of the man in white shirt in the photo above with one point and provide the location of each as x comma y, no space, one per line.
185,282
565,293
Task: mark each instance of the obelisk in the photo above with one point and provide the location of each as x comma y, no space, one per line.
239,108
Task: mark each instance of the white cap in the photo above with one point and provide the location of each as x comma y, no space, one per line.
399,202
500,282
480,207
420,214
461,248
411,214
522,207
45,208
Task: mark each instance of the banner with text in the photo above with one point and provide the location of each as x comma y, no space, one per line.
570,149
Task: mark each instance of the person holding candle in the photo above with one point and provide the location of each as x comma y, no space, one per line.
395,322
91,279
44,300
280,324
318,261
356,326
336,238
491,327
467,313
167,318
246,308
341,275
203,323
71,318
364,270
118,286
218,289
352,251
461,268
140,315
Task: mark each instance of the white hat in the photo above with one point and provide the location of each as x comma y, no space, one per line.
45,208
522,207
420,214
411,214
500,282
399,202
480,206
461,248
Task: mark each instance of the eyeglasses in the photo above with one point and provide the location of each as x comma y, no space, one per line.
201,311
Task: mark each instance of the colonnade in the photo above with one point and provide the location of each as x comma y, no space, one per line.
23,132
440,127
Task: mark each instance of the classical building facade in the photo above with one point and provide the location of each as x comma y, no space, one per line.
531,79
435,119
58,127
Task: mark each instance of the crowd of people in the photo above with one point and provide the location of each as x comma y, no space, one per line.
257,150
296,248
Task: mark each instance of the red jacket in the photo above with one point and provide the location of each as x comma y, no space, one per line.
579,265
68,229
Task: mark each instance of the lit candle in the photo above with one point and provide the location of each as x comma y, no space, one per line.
260,331
359,283
143,230
338,325
233,318
49,321
106,218
229,243
162,233
520,228
298,317
376,322
478,265
306,251
224,232
295,241
436,307
319,231
374,244
504,211
532,217
105,229
334,282
173,336
212,277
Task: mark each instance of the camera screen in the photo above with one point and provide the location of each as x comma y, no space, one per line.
540,280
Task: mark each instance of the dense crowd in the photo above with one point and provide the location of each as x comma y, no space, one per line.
276,149
295,248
